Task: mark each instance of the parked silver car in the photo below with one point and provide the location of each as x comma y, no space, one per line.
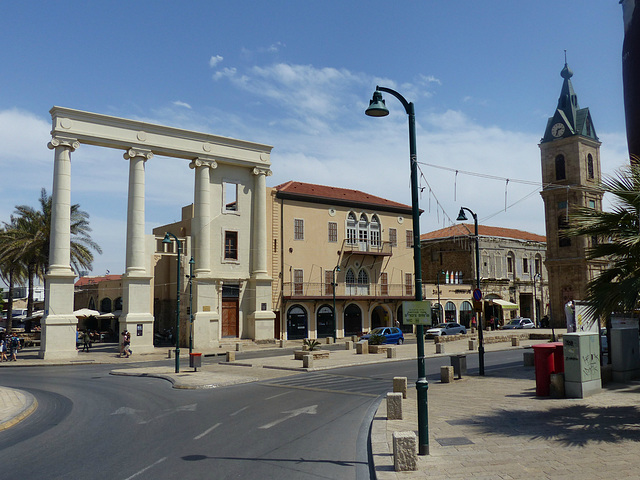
519,323
450,328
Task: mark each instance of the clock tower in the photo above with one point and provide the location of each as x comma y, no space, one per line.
570,154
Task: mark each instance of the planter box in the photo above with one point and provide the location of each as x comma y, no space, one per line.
317,354
378,348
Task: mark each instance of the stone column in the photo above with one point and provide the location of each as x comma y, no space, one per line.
262,317
205,317
136,282
58,338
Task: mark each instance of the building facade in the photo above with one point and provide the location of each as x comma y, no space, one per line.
513,277
570,155
337,250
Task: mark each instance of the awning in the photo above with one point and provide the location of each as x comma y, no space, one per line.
504,304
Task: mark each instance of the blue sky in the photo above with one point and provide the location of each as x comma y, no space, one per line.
484,77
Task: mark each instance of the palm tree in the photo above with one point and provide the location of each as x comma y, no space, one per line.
26,239
616,240
11,271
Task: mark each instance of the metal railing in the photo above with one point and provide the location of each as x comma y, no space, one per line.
384,248
325,290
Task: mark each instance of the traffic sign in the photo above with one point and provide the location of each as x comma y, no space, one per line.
477,295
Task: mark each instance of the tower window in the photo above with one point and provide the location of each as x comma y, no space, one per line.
590,167
563,224
560,173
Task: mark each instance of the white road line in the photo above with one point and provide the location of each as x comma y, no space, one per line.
208,430
146,468
276,396
241,410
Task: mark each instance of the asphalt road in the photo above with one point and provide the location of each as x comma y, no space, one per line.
90,424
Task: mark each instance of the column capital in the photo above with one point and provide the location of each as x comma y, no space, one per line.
203,162
57,141
138,152
262,171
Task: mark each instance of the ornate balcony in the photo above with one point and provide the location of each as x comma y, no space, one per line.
324,291
384,249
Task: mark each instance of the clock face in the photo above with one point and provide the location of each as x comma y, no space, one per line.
557,130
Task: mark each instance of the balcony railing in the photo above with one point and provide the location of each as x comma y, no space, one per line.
343,290
383,249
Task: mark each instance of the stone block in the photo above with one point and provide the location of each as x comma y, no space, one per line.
394,406
473,344
529,358
329,340
391,352
231,356
283,343
515,342
405,453
446,374
354,338
362,347
348,345
400,386
556,388
307,361
440,348
238,347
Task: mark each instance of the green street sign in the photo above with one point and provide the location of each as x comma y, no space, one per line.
417,313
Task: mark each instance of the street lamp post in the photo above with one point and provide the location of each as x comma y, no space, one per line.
377,108
462,217
535,300
167,239
333,284
191,263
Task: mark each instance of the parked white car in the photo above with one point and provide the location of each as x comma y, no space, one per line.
450,328
519,323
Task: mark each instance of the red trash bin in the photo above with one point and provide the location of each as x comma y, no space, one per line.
543,355
558,357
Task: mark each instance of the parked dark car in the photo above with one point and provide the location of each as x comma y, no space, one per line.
392,335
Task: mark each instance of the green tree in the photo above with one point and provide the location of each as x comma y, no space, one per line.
615,238
27,237
11,271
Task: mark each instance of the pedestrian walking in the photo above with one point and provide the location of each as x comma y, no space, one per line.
14,345
3,348
86,341
126,344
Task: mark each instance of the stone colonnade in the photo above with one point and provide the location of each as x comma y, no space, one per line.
141,141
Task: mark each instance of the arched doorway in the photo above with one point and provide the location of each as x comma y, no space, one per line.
466,312
326,323
450,312
379,318
296,323
352,320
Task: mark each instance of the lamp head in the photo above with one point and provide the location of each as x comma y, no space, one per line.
377,106
167,238
337,268
192,261
461,216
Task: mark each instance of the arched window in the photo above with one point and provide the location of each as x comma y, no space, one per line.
105,305
350,281
589,166
118,304
363,232
450,312
563,225
466,312
374,229
363,282
560,174
351,228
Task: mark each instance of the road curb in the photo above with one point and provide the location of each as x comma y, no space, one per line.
28,409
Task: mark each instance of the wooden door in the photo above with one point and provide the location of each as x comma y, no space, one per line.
229,318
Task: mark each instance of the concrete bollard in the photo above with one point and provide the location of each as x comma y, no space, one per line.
283,342
329,340
391,352
400,386
362,347
238,347
169,353
307,361
473,344
354,338
446,374
440,348
405,452
515,342
348,345
529,359
231,356
394,406
556,385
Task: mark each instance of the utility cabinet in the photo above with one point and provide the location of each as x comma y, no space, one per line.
625,353
581,364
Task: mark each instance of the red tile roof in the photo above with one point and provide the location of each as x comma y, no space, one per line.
335,193
464,229
82,281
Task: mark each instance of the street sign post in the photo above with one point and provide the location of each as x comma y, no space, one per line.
417,312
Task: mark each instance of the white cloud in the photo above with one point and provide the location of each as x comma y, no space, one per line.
215,60
178,103
224,73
